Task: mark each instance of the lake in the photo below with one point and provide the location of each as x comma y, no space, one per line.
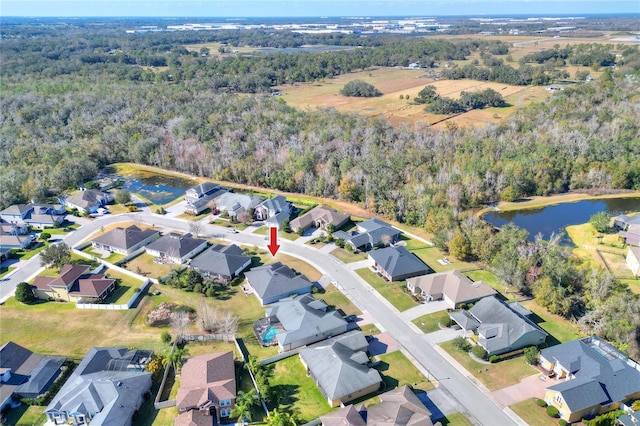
155,187
556,218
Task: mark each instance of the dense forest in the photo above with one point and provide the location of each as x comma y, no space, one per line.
75,100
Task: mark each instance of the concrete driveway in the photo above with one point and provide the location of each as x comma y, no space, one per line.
529,387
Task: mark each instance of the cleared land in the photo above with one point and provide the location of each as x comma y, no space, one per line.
393,82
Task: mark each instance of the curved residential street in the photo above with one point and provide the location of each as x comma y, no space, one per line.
473,401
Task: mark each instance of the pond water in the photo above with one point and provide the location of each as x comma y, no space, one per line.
157,188
556,218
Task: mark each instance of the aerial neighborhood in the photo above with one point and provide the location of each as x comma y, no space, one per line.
294,317
344,218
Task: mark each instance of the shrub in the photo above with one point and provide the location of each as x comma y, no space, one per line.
445,322
541,403
531,355
359,88
552,411
165,337
479,351
461,344
563,422
24,293
44,236
495,358
132,208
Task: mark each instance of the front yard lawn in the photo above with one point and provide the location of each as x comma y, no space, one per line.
493,376
298,393
397,371
347,256
264,230
112,258
392,291
27,254
298,265
529,411
227,224
455,419
334,297
4,270
193,218
429,323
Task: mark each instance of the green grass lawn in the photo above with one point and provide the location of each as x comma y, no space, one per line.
202,215
370,329
144,265
413,244
27,254
430,256
4,270
121,295
112,258
334,297
559,328
63,229
492,281
392,291
264,230
227,224
298,393
493,376
347,256
26,415
429,323
634,284
455,419
397,371
529,411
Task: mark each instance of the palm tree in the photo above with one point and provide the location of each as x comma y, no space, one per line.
277,418
244,403
177,357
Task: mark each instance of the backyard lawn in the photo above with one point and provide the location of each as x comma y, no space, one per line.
397,371
493,376
430,256
392,291
347,256
144,265
529,411
559,328
26,415
113,257
634,284
298,393
492,281
429,323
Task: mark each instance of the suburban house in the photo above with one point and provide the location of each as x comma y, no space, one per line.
339,367
298,321
221,262
207,388
234,203
274,207
590,377
38,216
370,234
629,419
276,281
200,197
176,248
398,407
74,284
320,217
24,374
452,286
125,240
106,388
633,260
87,201
623,221
11,240
500,327
397,264
629,228
14,229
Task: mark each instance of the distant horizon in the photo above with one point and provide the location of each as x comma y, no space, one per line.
310,8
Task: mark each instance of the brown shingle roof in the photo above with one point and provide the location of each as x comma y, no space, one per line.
193,418
77,281
68,275
209,377
326,214
452,284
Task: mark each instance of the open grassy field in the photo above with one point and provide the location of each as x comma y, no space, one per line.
493,376
392,291
393,82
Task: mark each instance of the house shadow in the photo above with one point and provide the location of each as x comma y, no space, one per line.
436,414
376,347
287,395
382,366
551,340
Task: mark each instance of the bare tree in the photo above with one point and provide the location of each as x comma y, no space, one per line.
208,318
244,217
180,322
229,325
196,228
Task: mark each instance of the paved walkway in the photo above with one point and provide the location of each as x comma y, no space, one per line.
423,309
358,265
443,335
529,387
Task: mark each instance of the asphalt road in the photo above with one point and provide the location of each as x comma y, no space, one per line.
476,405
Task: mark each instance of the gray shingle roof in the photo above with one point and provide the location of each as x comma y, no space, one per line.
175,244
500,325
602,374
398,261
17,209
274,280
41,377
202,189
220,260
339,365
125,238
276,204
303,316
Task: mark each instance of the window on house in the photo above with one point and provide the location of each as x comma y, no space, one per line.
559,399
225,412
225,402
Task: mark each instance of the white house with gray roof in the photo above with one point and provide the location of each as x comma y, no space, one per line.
106,388
200,197
87,201
500,327
299,320
339,367
272,207
235,204
370,234
176,248
590,377
276,281
221,262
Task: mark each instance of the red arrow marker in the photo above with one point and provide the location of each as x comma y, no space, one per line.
273,241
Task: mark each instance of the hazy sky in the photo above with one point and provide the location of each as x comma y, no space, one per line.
270,8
